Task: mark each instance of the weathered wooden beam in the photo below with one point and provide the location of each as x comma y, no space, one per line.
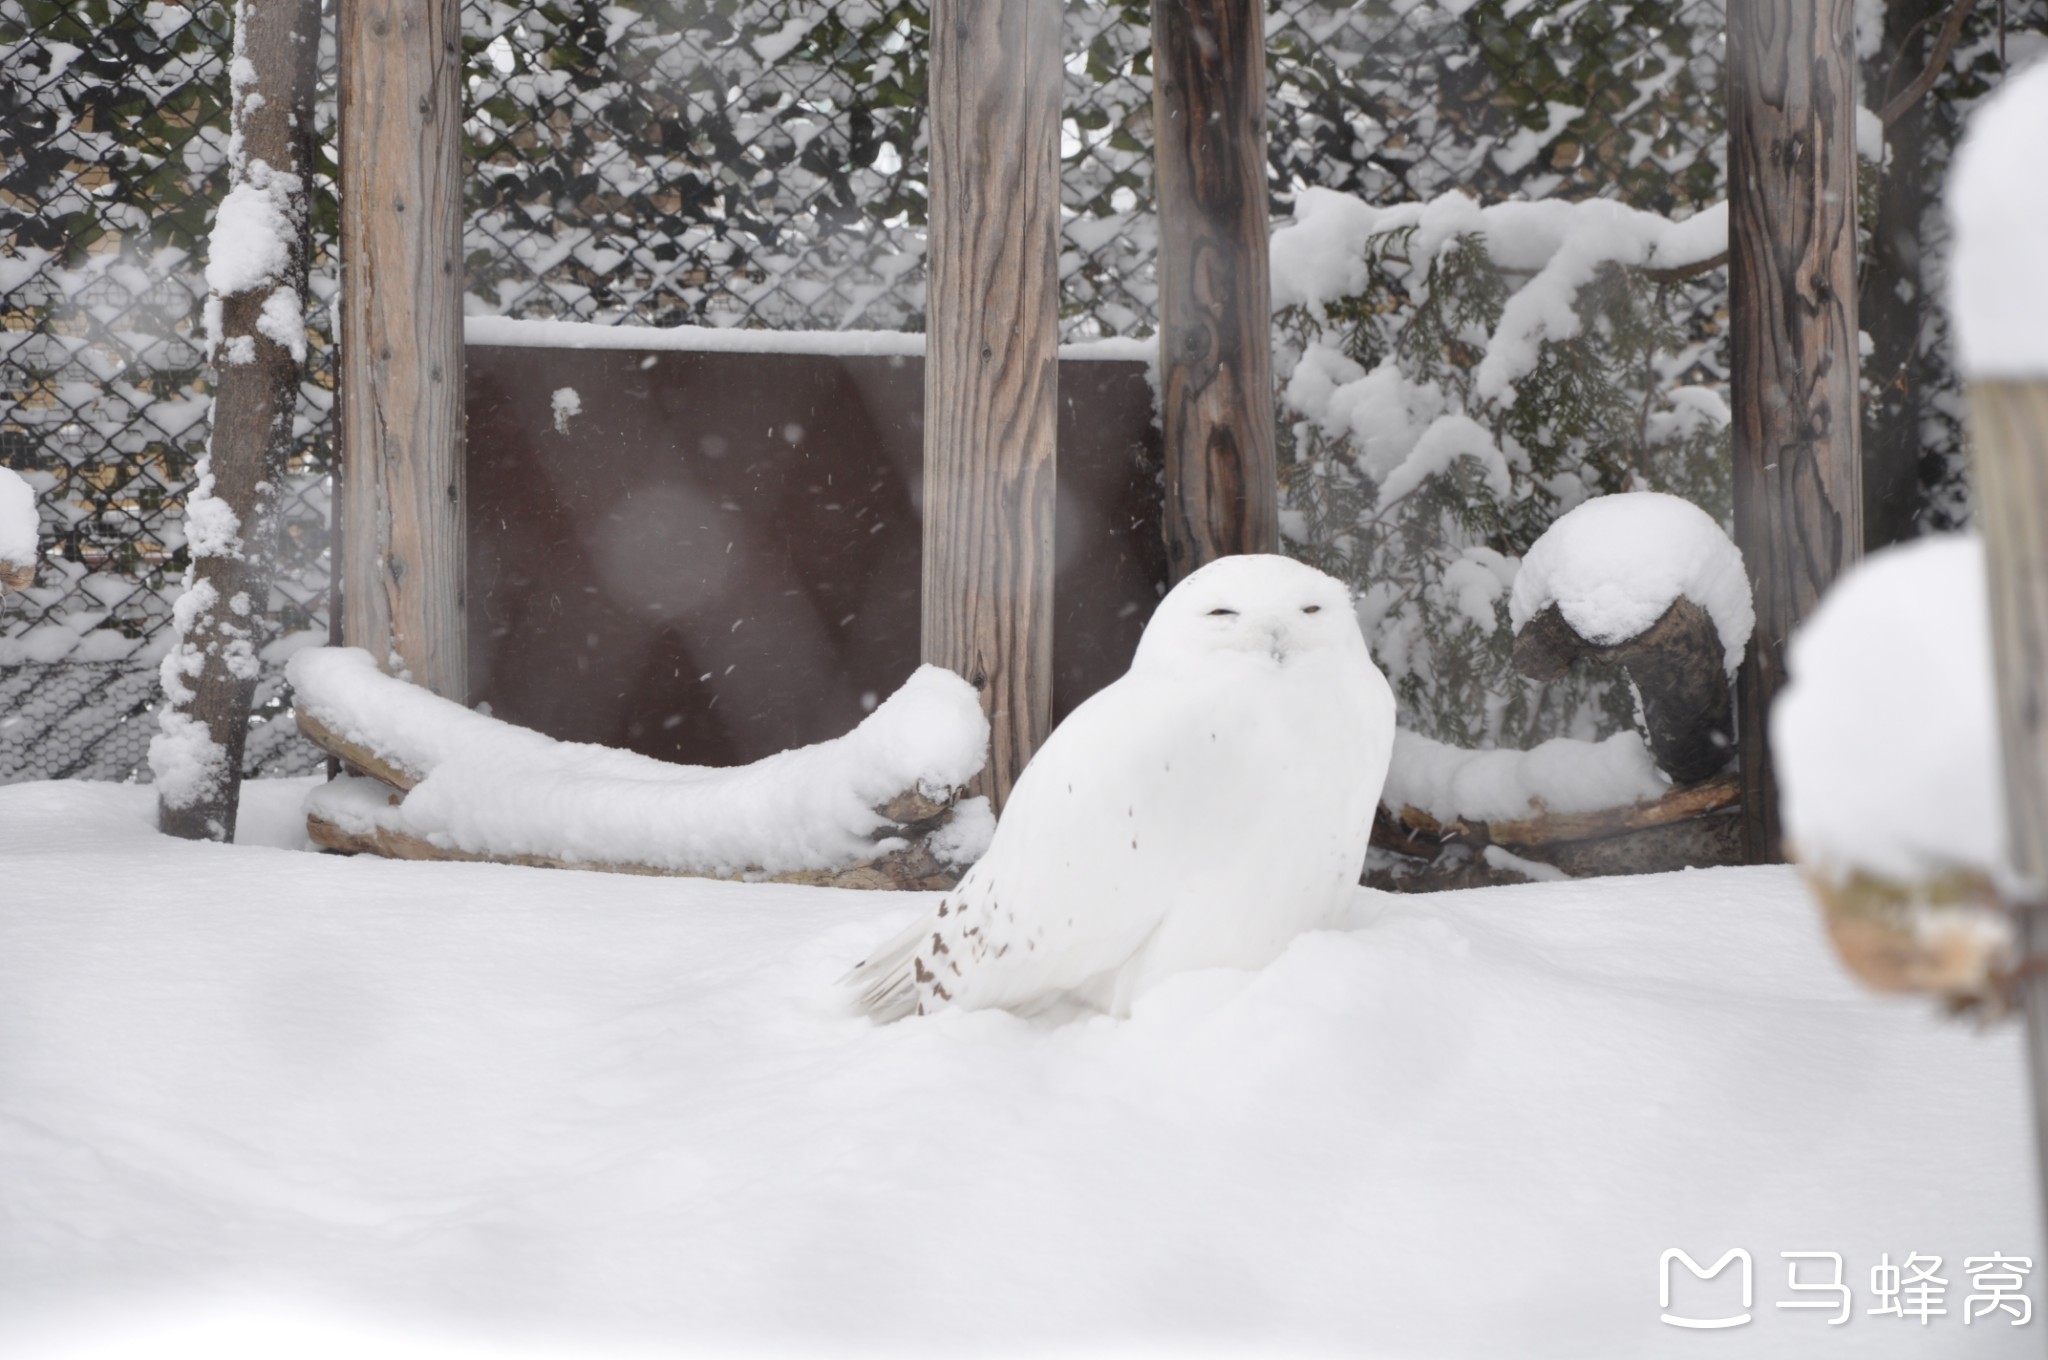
16,576
1676,667
1215,305
401,337
1792,341
2009,435
991,367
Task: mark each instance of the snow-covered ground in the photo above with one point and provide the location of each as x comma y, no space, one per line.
581,1111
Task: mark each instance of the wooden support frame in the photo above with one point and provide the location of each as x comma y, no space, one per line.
1215,287
401,337
991,366
2009,434
1792,340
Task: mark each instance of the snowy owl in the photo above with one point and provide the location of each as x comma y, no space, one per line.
1200,812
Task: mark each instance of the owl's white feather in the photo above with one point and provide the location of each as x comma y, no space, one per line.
1200,812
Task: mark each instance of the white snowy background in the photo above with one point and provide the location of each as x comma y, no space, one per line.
587,1112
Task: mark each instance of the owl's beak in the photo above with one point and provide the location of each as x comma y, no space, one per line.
1278,648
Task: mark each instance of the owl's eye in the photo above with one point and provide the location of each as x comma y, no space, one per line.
1311,609
1214,612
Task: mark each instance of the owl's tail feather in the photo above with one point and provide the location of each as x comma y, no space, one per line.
884,984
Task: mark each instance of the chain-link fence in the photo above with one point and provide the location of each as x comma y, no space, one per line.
722,162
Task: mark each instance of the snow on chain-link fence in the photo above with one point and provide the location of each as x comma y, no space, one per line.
721,162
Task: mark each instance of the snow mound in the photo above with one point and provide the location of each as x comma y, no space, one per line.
1997,205
488,787
18,529
1886,739
1561,775
1613,565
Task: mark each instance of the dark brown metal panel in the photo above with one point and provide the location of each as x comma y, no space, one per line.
717,557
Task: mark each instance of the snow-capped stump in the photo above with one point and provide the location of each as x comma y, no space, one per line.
1886,745
1650,583
18,532
874,808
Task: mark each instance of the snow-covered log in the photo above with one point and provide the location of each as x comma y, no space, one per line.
18,532
256,339
874,808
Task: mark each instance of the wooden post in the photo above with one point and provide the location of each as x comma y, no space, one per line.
1792,342
1215,292
991,367
2009,435
401,336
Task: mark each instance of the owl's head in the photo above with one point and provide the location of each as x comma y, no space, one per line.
1266,608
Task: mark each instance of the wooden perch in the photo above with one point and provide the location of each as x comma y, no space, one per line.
16,576
1412,831
912,868
1690,826
1675,665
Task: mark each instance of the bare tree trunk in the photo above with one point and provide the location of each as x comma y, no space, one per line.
1215,304
992,366
256,273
